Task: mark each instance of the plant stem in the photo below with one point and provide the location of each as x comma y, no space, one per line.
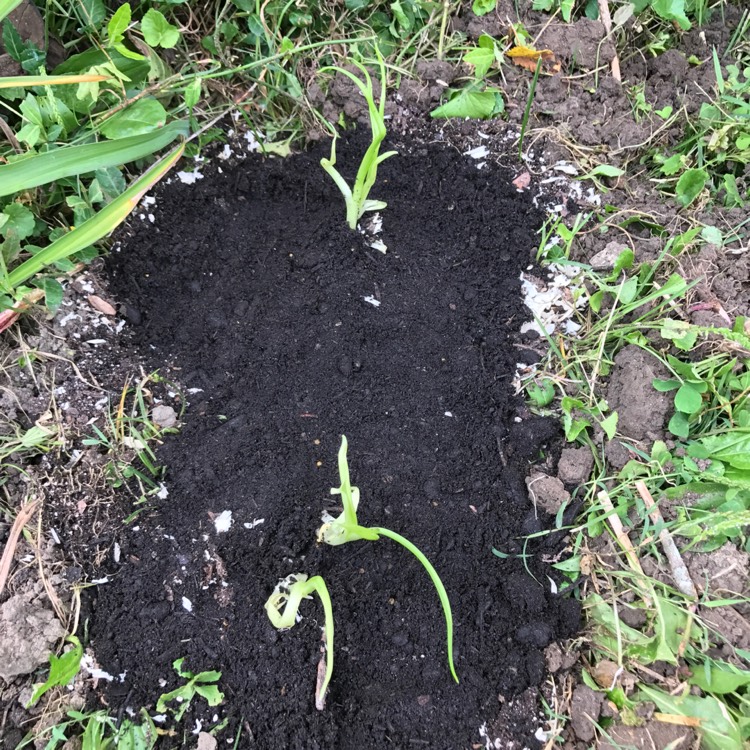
437,583
527,111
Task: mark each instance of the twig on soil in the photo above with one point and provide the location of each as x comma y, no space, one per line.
620,533
607,21
680,572
24,515
57,604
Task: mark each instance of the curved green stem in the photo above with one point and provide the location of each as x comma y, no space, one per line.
435,580
282,607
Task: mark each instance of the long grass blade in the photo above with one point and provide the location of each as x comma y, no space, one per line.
8,6
39,169
9,82
435,578
98,226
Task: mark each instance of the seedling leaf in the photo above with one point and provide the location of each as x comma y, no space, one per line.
62,670
481,58
688,399
157,31
483,7
478,105
690,185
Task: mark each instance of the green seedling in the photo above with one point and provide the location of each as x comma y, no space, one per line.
62,670
356,198
202,684
282,608
346,528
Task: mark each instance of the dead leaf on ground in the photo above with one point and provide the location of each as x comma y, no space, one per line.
527,57
101,305
522,181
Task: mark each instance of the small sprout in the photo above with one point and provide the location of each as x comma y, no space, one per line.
356,198
202,683
282,608
542,393
346,528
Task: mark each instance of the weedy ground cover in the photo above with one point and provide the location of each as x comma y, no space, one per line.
684,499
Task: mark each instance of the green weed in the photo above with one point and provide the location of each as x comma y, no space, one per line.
700,480
202,684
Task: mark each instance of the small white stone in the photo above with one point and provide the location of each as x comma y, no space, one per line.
223,521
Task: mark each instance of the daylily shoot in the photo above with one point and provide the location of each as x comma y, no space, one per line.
346,528
356,197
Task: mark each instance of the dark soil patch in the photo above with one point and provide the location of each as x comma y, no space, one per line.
253,286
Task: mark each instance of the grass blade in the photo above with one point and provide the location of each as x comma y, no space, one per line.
527,111
97,226
9,82
8,6
38,169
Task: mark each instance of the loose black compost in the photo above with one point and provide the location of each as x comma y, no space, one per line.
287,330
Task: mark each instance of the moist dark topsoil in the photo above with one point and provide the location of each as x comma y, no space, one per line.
254,290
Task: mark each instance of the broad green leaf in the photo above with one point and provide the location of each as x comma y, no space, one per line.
157,31
483,7
404,22
683,334
91,12
193,93
665,385
629,290
96,227
672,165
210,676
690,185
679,425
53,293
140,117
609,425
717,728
688,399
624,260
62,669
39,169
733,197
733,447
111,182
481,58
672,10
719,678
211,693
118,24
712,235
19,221
13,44
478,105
